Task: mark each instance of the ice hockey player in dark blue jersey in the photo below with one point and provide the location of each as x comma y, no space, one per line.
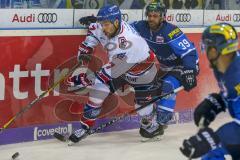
175,53
221,45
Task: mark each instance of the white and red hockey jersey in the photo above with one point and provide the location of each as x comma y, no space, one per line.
127,42
128,53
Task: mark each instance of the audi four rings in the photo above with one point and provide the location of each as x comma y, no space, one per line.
236,18
125,17
47,17
183,17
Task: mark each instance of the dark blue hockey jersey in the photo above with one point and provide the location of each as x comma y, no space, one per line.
229,83
170,44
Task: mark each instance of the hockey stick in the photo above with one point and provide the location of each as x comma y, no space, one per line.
114,120
30,105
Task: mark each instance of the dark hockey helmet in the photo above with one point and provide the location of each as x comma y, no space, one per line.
221,36
156,7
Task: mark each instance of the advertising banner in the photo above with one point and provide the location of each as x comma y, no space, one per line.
36,18
131,15
127,15
69,18
218,16
43,132
185,17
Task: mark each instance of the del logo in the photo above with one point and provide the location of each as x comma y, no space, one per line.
237,88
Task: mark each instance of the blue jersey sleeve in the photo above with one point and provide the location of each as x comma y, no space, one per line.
229,84
181,45
134,24
137,25
234,108
234,96
184,49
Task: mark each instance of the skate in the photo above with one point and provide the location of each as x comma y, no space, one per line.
153,133
150,130
75,137
78,135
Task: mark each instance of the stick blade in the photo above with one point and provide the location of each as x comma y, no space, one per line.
60,137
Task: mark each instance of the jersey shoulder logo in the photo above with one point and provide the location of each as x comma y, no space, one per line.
175,32
237,88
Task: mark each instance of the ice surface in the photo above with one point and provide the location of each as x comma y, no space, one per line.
124,145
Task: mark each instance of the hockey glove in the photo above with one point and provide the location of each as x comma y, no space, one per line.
186,76
79,81
87,20
209,108
201,143
84,53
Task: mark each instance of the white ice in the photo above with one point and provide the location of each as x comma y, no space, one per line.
124,145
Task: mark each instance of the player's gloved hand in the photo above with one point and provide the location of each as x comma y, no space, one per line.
84,53
189,80
80,80
209,108
87,20
187,76
199,144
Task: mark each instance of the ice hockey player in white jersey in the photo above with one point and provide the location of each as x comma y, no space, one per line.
129,58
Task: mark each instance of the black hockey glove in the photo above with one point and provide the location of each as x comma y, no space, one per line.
209,108
186,76
87,20
201,143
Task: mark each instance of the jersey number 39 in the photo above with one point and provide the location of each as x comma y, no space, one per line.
184,44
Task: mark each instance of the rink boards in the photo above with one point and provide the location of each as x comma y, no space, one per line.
32,60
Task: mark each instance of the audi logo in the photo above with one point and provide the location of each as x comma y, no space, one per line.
125,17
183,17
93,4
47,17
236,18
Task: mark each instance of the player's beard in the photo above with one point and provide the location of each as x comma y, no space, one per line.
113,33
154,25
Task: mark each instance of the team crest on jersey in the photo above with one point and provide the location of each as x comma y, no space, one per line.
159,39
237,88
123,43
